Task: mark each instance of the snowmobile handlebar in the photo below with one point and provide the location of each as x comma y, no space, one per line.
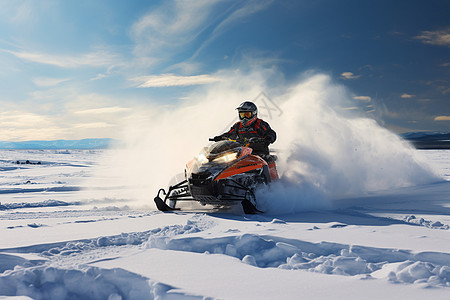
219,138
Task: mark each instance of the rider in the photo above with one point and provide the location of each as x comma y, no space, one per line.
252,131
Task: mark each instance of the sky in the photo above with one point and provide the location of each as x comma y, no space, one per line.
82,69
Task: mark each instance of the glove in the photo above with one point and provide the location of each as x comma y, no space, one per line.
269,140
257,144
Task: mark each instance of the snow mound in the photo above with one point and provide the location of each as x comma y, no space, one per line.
66,269
427,223
54,283
430,268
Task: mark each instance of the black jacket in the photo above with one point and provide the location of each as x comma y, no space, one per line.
259,129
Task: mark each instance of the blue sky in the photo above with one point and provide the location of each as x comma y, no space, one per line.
74,69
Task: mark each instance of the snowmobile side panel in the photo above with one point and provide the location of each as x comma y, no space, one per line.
249,163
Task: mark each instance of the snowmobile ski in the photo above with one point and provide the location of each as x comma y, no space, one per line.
162,206
249,208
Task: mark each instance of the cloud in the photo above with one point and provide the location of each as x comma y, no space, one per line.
108,73
103,110
438,37
248,8
349,76
175,17
170,27
442,118
98,58
47,82
166,80
407,96
18,11
363,98
94,125
22,125
173,27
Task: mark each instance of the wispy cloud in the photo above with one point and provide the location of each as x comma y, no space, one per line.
22,125
22,119
167,80
98,58
246,9
103,110
108,73
48,82
363,98
170,27
18,11
94,125
442,118
438,37
349,76
173,27
407,96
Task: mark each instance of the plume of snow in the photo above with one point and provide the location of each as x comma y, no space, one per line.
325,152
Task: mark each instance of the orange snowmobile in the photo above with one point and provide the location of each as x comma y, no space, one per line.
223,174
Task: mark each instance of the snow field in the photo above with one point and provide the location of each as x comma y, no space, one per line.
262,251
77,244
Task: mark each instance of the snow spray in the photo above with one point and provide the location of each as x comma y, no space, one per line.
325,151
330,151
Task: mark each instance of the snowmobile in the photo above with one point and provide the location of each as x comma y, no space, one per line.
222,175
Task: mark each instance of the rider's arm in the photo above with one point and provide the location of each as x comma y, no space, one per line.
230,134
268,133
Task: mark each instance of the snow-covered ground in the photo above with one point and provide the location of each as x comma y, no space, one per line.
67,232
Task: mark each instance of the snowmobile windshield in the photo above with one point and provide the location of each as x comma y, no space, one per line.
220,152
215,157
222,146
222,149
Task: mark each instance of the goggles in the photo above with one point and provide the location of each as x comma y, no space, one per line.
245,114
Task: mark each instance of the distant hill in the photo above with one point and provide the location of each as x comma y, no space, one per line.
59,144
428,140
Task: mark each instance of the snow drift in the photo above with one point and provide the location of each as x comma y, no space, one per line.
326,150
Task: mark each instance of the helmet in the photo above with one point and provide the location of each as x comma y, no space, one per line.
248,112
